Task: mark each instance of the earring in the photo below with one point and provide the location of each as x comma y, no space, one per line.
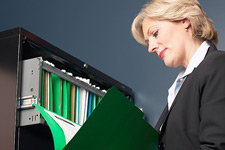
186,29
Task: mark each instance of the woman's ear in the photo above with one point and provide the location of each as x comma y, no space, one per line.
186,23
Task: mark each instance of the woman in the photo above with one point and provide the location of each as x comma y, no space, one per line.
181,34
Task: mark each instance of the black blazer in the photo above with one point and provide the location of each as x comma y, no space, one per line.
196,119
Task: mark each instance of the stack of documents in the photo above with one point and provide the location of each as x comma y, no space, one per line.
66,99
116,124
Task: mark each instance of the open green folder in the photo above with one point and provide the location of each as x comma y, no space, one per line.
115,124
63,130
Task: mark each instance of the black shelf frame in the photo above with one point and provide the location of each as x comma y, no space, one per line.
17,45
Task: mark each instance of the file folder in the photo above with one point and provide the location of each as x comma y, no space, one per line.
62,129
115,124
57,94
73,104
89,104
64,99
69,94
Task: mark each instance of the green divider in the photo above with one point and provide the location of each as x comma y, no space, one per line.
97,100
57,132
93,102
60,96
64,99
42,86
56,87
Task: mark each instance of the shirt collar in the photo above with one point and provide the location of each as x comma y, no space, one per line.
196,59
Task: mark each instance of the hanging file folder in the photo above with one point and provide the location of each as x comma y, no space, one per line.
62,129
116,121
56,82
115,124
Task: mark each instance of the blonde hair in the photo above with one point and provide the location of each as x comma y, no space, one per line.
176,10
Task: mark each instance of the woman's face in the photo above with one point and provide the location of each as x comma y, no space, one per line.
167,39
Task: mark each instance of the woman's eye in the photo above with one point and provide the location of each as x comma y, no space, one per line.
155,34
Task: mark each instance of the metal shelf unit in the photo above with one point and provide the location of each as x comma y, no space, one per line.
16,46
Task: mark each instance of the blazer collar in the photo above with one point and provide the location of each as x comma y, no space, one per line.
212,48
162,121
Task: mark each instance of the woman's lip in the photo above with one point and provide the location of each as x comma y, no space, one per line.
161,54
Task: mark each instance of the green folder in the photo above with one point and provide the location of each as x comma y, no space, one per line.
64,100
97,100
42,87
57,132
116,124
56,87
93,102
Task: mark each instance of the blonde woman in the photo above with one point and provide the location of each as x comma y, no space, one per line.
181,34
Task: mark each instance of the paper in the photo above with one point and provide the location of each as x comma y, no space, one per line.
69,128
62,129
82,105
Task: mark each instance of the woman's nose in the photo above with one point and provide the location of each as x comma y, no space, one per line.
152,45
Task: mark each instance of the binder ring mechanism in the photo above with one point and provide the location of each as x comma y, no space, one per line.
27,102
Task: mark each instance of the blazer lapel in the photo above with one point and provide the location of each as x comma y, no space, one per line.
163,118
212,48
